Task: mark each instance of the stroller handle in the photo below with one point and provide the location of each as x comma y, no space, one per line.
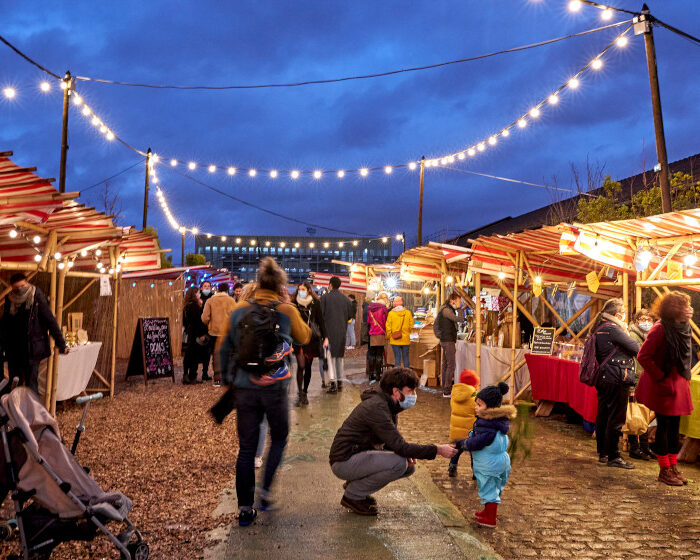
90,398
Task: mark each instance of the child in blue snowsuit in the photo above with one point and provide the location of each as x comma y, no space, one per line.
488,444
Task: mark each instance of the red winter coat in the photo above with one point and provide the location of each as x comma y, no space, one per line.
662,389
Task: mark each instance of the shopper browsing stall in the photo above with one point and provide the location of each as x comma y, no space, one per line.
399,323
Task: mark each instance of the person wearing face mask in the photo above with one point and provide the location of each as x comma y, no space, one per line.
26,323
309,307
445,328
369,452
615,351
642,321
205,292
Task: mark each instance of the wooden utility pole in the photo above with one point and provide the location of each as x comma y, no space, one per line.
403,240
420,203
644,25
183,231
68,84
145,191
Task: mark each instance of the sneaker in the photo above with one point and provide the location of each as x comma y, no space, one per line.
603,459
266,504
270,378
217,384
360,507
258,462
452,470
332,389
299,401
340,385
447,395
304,398
620,463
323,385
246,517
636,453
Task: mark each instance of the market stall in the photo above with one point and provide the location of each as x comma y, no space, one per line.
495,363
73,372
72,252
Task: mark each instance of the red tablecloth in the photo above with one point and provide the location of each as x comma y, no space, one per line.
554,379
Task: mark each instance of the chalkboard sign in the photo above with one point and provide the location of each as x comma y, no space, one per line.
151,355
542,340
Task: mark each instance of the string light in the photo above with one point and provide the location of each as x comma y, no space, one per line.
622,41
36,239
575,5
9,92
341,174
45,86
13,233
388,169
597,64
553,99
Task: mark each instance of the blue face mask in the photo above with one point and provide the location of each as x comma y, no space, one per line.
206,292
302,294
408,401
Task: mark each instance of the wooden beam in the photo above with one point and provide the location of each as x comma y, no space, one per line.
112,370
574,317
18,170
477,317
666,258
514,322
669,283
34,227
59,315
522,308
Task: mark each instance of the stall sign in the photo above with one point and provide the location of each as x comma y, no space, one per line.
542,340
151,354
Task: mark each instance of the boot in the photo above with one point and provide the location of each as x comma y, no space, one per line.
299,402
304,398
667,476
332,389
340,385
488,519
637,453
452,470
678,475
647,450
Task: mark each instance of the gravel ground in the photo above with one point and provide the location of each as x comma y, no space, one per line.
157,445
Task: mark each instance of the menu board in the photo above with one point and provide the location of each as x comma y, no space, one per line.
151,355
542,340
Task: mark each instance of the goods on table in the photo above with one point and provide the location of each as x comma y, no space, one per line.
566,351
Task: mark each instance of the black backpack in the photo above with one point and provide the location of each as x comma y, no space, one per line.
260,341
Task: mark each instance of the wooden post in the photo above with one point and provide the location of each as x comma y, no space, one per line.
117,282
420,202
68,82
59,315
519,259
50,364
477,316
626,295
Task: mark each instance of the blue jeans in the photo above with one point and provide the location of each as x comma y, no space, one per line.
252,406
401,353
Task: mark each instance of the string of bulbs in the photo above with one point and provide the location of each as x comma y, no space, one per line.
195,231
521,122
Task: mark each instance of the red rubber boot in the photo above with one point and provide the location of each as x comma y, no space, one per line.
489,517
480,513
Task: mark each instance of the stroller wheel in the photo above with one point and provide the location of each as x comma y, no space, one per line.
138,551
5,532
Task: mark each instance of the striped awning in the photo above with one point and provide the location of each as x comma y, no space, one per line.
321,280
32,211
426,263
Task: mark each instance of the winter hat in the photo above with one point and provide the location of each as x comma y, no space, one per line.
493,394
469,377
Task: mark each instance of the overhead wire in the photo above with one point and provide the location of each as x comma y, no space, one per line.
112,177
322,81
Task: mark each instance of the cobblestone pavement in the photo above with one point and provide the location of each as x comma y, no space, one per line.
560,503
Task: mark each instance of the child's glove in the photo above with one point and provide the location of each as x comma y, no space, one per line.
462,444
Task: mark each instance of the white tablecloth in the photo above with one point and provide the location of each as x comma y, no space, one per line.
495,363
74,371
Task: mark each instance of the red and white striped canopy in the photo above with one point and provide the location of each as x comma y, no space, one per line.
321,280
423,264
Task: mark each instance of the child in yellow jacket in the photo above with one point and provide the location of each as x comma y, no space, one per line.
462,416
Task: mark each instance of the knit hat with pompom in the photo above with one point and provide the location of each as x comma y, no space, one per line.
493,394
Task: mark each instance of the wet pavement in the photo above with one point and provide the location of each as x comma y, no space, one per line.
415,521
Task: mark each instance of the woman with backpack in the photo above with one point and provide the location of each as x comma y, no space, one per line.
377,313
309,307
615,352
664,386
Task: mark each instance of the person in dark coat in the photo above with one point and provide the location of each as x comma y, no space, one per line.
337,311
445,328
197,348
615,350
26,323
664,386
369,452
205,293
309,307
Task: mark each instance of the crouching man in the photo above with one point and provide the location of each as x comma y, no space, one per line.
368,451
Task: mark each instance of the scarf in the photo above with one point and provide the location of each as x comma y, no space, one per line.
615,320
305,301
678,350
26,299
639,332
399,308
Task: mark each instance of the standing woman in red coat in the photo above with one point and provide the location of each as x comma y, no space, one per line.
664,386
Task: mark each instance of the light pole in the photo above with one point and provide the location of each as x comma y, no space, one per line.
182,232
145,189
420,202
67,85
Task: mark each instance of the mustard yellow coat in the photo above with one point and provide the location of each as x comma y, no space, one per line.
393,324
462,415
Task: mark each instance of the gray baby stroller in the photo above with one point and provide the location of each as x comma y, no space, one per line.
54,497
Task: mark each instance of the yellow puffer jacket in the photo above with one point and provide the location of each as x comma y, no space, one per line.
394,324
462,415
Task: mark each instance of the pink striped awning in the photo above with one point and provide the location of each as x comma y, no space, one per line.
321,280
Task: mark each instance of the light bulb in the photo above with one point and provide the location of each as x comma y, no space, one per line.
208,235
607,14
13,233
70,264
471,151
77,100
182,229
267,244
622,41
326,244
341,174
98,252
312,245
317,174
364,172
538,279
83,253
252,172
294,174
36,239
273,174
481,147
451,159
388,169
340,244
690,259
110,135
493,140
238,239
57,256
191,166
522,123
95,121
61,266
505,133
575,5
501,275
443,161
412,166
111,271
223,238
385,239
86,111
597,64
212,168
449,279
64,85
297,245
45,86
253,242
461,155
9,92
283,244
399,237
426,290
534,112
553,99
195,230
173,162
574,83
37,258
355,243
